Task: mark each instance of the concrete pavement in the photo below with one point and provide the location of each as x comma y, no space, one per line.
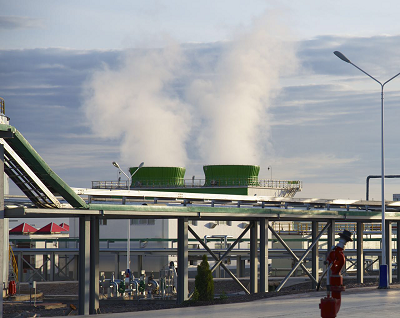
357,303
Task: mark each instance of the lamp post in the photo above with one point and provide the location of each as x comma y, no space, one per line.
270,168
128,243
116,165
383,269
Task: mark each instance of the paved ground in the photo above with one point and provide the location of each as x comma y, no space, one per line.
357,302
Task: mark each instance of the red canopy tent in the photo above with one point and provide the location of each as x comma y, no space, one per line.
23,228
50,229
65,226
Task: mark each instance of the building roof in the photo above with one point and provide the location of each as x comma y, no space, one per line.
50,229
65,226
23,228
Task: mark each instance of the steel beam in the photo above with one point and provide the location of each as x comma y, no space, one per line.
253,258
331,236
84,265
294,256
389,261
264,255
360,253
20,271
52,264
217,259
314,242
314,253
240,266
3,230
94,266
397,251
140,264
183,259
220,259
36,270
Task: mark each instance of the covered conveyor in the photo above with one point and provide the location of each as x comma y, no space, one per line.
31,173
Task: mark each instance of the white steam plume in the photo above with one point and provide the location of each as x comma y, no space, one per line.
137,103
233,101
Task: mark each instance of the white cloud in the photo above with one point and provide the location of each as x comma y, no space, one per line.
20,22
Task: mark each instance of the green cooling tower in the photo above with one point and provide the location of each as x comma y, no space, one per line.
149,177
231,175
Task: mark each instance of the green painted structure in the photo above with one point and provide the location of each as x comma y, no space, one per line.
35,162
219,179
158,177
231,175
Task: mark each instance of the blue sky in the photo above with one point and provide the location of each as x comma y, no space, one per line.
164,82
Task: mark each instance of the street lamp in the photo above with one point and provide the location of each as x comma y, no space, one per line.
270,168
128,243
383,269
116,165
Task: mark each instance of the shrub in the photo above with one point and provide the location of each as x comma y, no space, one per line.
195,296
204,282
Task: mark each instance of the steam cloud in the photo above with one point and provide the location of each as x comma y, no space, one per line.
136,102
234,100
140,102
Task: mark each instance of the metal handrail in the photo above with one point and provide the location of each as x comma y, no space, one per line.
193,183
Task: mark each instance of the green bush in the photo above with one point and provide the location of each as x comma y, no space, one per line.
204,282
195,296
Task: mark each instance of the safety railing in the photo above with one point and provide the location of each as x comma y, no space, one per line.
194,183
305,227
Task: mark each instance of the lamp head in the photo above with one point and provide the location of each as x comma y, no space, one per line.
116,165
141,165
341,56
346,235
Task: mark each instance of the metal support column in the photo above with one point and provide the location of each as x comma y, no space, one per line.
20,269
388,238
84,265
360,253
217,271
140,264
52,266
183,259
314,253
331,236
239,266
116,265
3,230
94,266
398,252
45,265
264,255
253,259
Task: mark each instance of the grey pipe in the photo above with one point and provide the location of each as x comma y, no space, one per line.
390,176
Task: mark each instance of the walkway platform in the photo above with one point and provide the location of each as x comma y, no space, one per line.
356,303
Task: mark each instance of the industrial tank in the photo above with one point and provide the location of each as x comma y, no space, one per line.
155,177
231,175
